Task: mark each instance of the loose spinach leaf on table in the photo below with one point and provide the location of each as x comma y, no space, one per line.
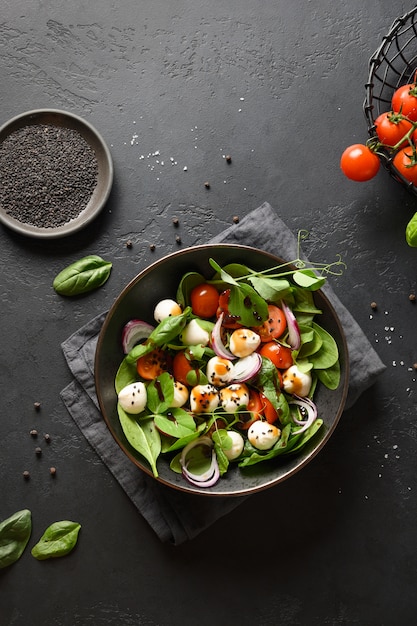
14,535
82,276
58,540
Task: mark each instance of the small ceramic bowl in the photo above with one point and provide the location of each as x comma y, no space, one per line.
94,202
137,301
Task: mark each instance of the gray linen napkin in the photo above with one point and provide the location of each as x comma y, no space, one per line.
176,516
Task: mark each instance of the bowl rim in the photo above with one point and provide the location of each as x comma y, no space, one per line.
203,491
94,206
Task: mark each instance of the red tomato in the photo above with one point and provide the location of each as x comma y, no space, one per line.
268,410
405,161
255,409
359,163
229,321
181,366
151,365
404,101
281,356
391,128
274,326
204,300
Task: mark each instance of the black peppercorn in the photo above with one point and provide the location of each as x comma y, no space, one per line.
228,158
178,239
34,432
37,406
129,244
175,221
47,438
26,475
52,471
152,247
374,305
38,451
236,219
207,185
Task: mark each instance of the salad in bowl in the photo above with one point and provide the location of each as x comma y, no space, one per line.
222,370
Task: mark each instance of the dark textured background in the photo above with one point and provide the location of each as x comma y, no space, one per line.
280,87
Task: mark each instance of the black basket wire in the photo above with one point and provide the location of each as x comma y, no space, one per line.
392,65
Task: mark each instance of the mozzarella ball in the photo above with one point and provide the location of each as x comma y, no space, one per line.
204,399
219,371
243,342
237,445
263,435
180,394
194,335
297,382
166,308
234,396
133,398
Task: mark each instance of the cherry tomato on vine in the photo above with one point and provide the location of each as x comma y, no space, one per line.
359,163
281,356
151,365
404,101
391,128
405,161
204,300
274,326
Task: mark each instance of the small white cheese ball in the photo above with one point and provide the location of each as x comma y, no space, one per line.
194,335
133,398
166,308
297,382
234,396
204,399
243,342
263,435
237,445
219,371
180,394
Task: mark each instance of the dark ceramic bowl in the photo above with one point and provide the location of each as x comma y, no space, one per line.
101,192
137,300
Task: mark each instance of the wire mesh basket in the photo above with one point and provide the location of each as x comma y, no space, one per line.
392,65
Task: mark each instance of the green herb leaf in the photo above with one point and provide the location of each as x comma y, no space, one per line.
247,305
125,375
411,232
84,275
160,393
144,437
58,539
14,535
308,279
176,423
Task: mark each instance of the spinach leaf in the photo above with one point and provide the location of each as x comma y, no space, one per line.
271,289
183,441
84,275
187,284
144,437
58,540
411,232
308,279
330,377
176,423
14,535
328,353
125,375
160,392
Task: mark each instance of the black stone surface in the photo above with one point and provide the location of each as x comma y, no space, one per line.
174,88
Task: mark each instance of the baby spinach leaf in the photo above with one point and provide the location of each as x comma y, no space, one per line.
330,377
183,441
328,353
84,275
308,434
125,375
308,279
271,289
187,284
14,535
144,438
222,460
58,539
311,341
160,393
247,305
176,423
411,231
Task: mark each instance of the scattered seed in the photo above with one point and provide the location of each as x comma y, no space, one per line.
415,366
34,433
178,239
207,185
47,438
228,158
37,406
38,451
412,297
52,471
129,244
236,219
374,305
175,221
152,247
26,475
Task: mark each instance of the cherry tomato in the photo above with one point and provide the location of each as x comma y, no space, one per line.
181,366
229,321
405,161
151,365
391,128
359,163
281,356
268,410
274,326
404,101
204,300
255,410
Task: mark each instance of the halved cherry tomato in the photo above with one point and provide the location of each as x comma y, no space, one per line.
274,326
204,300
281,356
404,101
254,410
181,366
405,161
359,163
391,128
151,365
229,321
268,410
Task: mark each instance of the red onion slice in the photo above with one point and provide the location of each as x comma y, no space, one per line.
207,478
247,367
294,337
217,343
134,332
311,409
